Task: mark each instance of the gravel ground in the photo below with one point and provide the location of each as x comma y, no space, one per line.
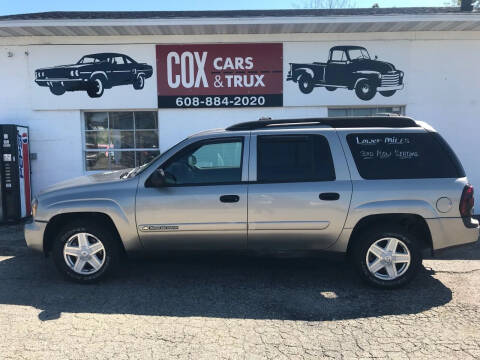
216,306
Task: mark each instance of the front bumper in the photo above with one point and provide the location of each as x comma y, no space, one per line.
34,232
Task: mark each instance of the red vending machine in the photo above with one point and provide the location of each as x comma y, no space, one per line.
15,194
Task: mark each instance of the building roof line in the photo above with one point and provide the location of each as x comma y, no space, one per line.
245,20
238,22
75,15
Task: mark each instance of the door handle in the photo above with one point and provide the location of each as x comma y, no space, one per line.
229,198
329,196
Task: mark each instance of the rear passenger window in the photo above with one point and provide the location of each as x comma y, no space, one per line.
294,158
403,156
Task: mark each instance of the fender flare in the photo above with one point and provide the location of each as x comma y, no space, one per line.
414,207
108,207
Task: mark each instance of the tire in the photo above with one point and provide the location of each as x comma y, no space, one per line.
365,90
57,89
96,86
387,93
364,258
330,88
305,83
100,243
139,82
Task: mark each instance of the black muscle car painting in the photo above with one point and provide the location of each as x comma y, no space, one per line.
94,73
348,67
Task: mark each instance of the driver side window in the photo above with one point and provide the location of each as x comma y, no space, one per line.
211,162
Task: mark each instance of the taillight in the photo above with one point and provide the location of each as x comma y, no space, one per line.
467,201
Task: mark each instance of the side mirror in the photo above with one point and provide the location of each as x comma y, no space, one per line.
157,179
376,57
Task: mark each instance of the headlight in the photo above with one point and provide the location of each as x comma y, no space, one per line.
72,72
34,207
76,73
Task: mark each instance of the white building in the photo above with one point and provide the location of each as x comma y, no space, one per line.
215,68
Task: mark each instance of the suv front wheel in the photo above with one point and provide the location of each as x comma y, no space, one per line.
85,252
387,257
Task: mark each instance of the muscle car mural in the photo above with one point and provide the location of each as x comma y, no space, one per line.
94,73
348,67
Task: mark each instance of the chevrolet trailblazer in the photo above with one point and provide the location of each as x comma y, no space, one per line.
382,190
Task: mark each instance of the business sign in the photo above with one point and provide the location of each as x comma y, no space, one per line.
219,75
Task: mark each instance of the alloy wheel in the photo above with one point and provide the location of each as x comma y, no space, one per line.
84,253
388,258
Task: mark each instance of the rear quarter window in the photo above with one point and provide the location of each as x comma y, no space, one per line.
403,156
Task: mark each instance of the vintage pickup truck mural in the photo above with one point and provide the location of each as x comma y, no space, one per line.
94,73
348,67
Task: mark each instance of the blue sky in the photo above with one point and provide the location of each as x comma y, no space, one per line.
26,6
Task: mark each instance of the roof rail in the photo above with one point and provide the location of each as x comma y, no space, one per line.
340,122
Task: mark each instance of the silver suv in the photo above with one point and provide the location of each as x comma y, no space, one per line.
382,190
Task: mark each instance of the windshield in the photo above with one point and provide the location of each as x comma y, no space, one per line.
89,60
358,54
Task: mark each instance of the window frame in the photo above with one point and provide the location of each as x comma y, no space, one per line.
85,131
197,145
295,135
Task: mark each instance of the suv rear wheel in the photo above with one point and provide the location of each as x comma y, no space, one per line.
387,257
85,252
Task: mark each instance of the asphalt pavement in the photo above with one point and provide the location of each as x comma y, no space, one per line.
227,306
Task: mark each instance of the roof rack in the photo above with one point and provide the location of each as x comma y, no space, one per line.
340,122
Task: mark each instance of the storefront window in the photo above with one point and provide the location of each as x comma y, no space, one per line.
118,140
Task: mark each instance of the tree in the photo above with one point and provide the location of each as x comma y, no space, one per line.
475,3
328,4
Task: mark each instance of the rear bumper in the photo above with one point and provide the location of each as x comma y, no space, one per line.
34,232
449,232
